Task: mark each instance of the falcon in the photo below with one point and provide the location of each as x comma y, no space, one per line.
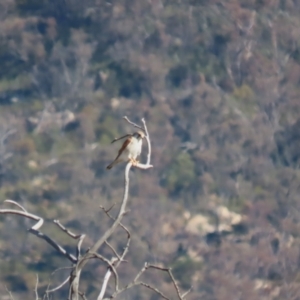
130,149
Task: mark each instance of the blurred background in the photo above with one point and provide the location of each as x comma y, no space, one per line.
218,84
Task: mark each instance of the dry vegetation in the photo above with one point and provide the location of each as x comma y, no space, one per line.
218,82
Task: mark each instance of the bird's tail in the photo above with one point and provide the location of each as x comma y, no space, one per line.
109,166
113,163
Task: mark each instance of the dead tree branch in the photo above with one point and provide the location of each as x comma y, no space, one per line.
136,282
9,293
35,229
59,286
126,248
72,235
36,287
75,275
79,262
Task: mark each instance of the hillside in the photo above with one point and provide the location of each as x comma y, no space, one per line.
218,84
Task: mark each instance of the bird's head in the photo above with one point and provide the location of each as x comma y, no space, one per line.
139,134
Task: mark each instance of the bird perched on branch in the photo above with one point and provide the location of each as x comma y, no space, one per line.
130,149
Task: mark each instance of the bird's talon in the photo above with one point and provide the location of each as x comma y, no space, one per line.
134,162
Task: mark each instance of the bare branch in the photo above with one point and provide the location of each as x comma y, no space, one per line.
153,289
107,210
64,229
36,287
169,271
75,276
148,141
20,213
122,211
7,134
82,295
187,292
113,250
104,285
135,282
9,292
55,245
111,217
59,269
72,235
58,287
15,203
38,225
34,229
121,258
142,166
81,238
133,124
112,269
174,283
131,284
